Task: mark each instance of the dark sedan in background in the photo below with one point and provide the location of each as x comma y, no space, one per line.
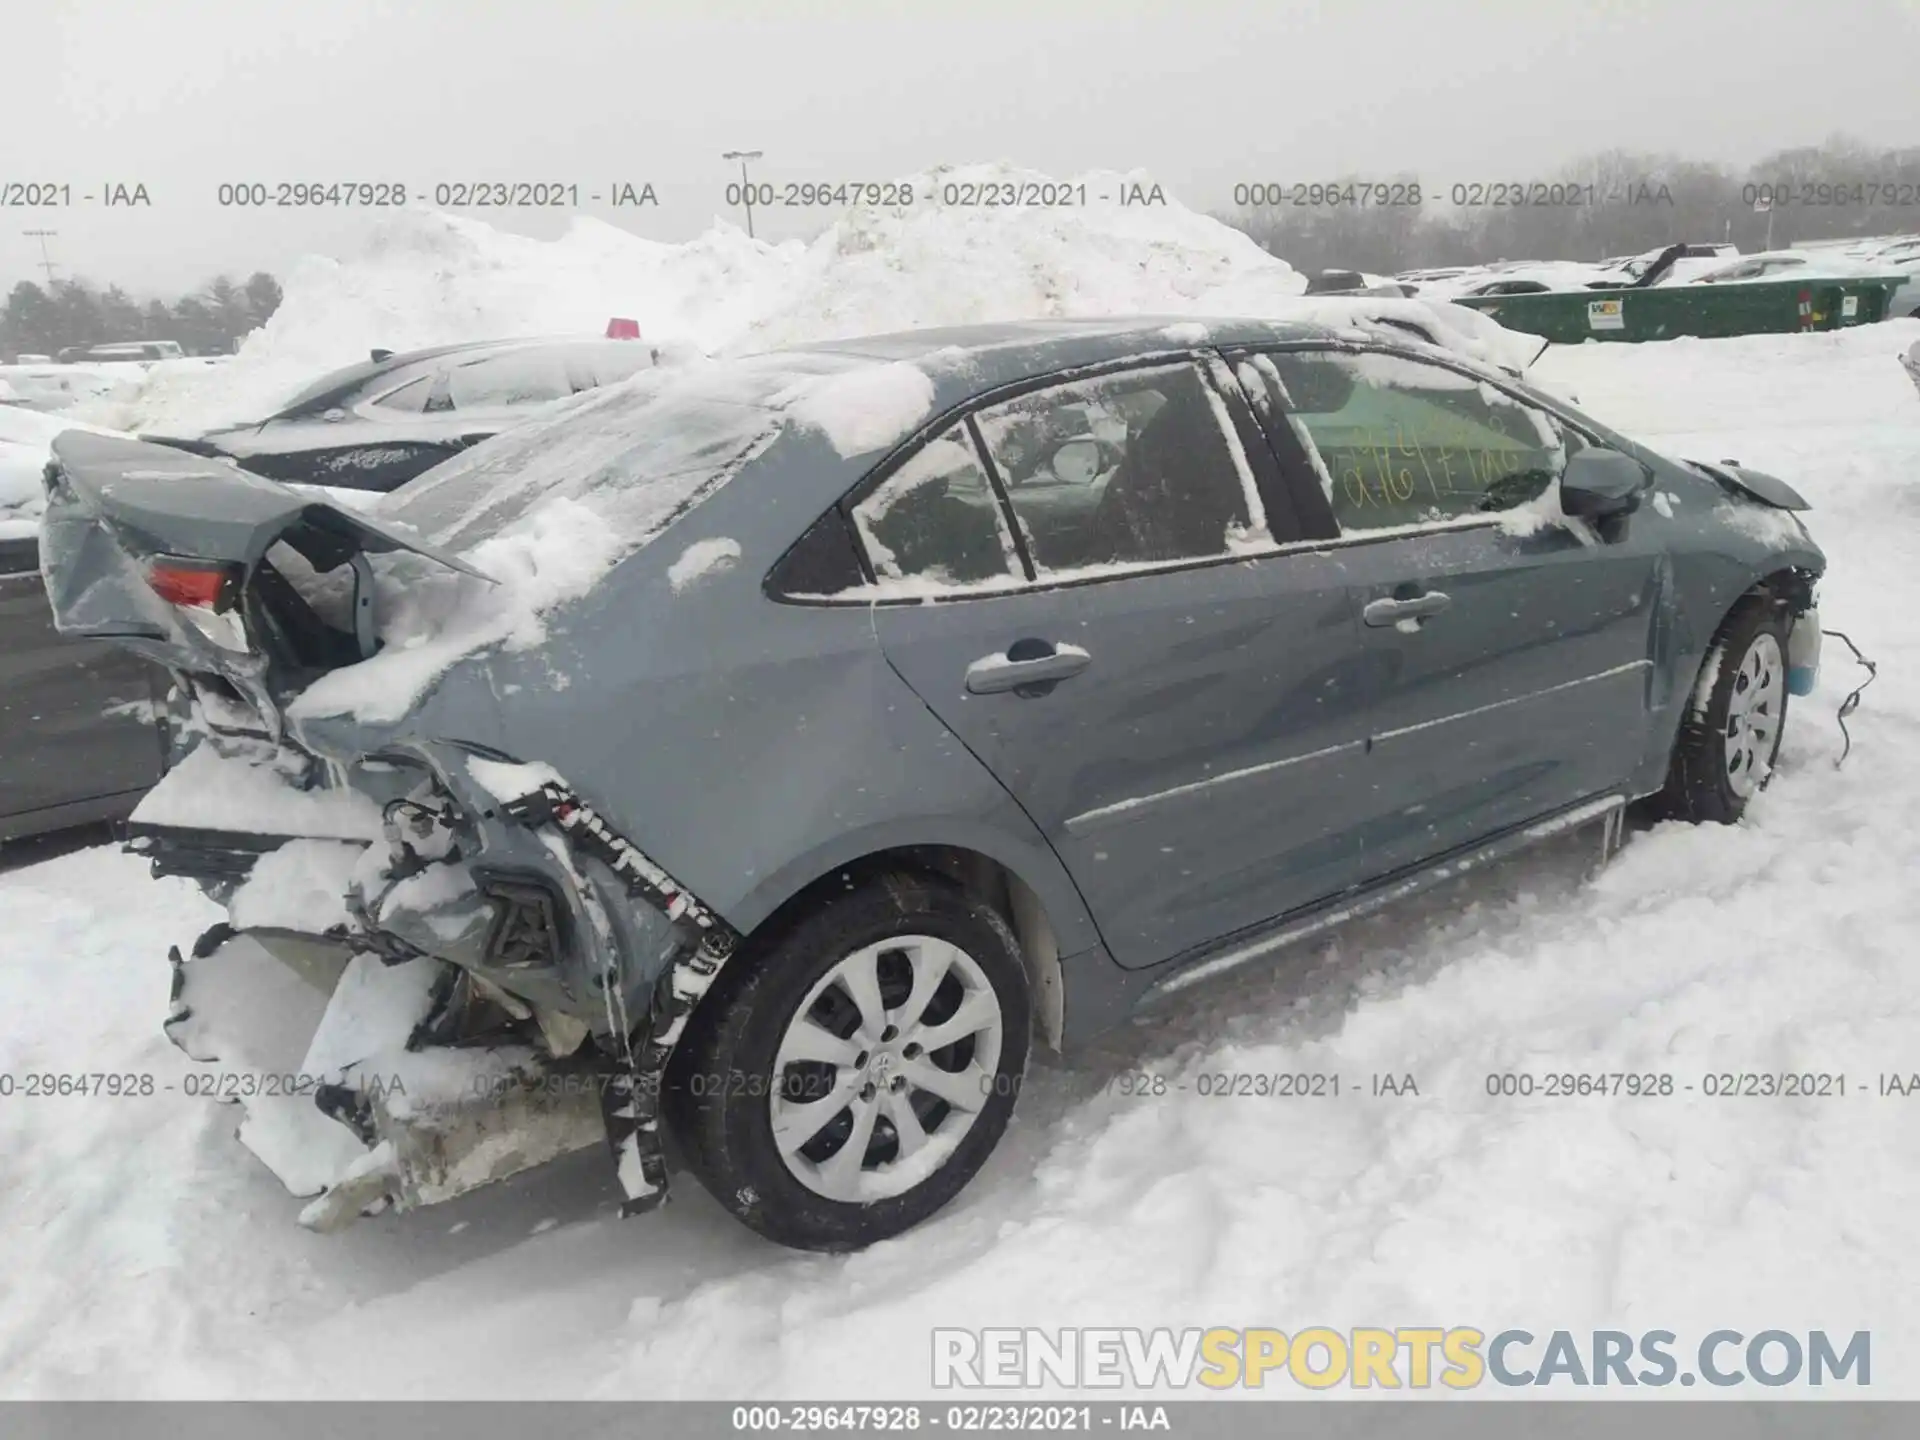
80,734
376,425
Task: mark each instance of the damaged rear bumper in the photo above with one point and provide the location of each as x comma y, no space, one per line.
500,977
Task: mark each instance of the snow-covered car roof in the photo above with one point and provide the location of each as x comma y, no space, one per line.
1810,263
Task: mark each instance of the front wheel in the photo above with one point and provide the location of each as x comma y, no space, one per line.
849,1077
1735,718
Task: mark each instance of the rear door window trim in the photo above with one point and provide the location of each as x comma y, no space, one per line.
1276,498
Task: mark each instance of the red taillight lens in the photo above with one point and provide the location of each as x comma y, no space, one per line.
192,582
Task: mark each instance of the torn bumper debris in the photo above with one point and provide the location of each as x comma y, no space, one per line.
498,980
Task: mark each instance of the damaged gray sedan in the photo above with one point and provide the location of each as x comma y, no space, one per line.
768,751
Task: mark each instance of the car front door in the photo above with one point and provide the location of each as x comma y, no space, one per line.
78,735
1509,648
1174,704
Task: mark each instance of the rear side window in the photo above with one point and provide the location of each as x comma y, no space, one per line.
525,378
410,398
937,522
1401,442
1135,468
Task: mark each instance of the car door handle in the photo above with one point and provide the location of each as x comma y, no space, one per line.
997,674
1418,607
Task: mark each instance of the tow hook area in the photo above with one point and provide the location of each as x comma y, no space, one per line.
631,1096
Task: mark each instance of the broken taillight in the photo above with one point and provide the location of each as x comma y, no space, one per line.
205,592
191,582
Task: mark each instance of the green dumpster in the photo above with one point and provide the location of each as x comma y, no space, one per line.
1664,312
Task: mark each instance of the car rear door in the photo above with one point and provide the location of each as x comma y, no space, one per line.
1509,649
1172,702
78,734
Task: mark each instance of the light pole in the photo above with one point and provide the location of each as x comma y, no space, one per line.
746,185
46,261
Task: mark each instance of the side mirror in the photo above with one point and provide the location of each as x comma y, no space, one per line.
1599,484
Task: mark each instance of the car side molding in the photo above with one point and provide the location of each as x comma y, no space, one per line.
1304,924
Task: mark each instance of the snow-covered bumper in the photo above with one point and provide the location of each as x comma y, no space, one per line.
476,972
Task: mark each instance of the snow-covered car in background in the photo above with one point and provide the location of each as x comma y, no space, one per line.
1911,363
1672,264
702,754
376,425
118,351
1777,264
1904,303
1907,247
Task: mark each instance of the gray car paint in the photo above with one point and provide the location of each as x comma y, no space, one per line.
754,747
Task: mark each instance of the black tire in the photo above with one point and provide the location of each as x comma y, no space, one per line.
1700,786
717,1099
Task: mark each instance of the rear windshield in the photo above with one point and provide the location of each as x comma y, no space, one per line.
638,451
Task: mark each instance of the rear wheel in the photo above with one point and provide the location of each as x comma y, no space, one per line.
1736,718
852,1075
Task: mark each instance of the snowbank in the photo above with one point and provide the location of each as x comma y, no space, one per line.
24,438
430,278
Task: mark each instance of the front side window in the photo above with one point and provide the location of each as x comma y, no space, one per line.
1401,442
1134,468
936,522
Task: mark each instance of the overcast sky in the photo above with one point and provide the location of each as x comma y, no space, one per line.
182,95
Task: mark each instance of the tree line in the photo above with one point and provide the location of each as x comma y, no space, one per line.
1603,205
209,321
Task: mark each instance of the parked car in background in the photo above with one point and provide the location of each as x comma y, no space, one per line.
1357,282
81,737
121,350
1905,247
81,722
872,761
1783,264
1672,264
1904,303
376,425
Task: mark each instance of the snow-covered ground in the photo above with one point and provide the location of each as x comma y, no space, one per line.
147,1254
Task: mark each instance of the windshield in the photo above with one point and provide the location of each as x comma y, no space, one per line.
636,451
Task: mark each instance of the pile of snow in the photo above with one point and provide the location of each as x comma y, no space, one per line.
61,387
430,278
24,438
